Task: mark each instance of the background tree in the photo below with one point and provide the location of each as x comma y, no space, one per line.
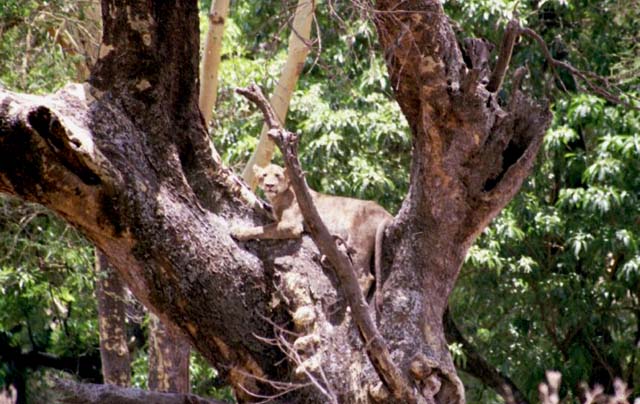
299,46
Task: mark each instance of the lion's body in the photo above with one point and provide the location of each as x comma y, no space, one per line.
355,221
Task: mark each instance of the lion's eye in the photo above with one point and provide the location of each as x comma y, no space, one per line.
278,176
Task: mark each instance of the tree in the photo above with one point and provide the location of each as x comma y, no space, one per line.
538,290
127,160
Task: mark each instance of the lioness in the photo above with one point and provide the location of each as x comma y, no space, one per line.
359,223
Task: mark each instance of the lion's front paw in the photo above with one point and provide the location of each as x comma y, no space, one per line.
240,233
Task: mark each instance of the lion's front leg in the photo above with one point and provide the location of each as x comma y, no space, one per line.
271,231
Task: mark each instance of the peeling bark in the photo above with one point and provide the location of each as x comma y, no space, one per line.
127,160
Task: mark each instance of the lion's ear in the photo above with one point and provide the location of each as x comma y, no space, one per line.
257,170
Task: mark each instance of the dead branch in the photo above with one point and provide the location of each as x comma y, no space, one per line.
377,350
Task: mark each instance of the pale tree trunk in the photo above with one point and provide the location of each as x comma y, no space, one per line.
168,358
299,46
114,353
82,37
211,58
128,161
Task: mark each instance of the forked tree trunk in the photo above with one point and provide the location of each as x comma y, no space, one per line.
127,160
114,352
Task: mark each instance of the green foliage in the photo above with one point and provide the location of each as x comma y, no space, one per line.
593,35
46,286
32,35
205,381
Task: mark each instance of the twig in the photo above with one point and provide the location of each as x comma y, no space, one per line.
376,348
290,351
512,32
584,76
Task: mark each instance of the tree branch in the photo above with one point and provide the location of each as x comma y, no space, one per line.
378,352
584,76
85,393
84,366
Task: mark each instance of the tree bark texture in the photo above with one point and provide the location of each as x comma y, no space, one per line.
168,358
114,352
127,160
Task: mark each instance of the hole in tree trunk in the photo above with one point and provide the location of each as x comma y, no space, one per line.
510,156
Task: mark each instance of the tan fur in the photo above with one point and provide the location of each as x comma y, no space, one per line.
353,220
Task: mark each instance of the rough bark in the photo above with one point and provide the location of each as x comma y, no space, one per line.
299,46
127,160
168,359
470,157
375,346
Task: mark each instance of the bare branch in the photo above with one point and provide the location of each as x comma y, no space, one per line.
584,76
506,50
512,32
377,350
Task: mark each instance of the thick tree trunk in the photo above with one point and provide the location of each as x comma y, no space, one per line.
114,353
469,158
168,359
127,160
